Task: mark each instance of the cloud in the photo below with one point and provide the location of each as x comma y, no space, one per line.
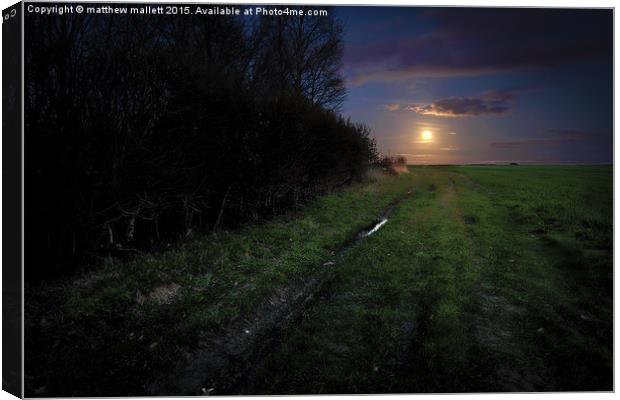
568,134
489,103
448,149
521,143
451,133
472,42
415,155
392,107
559,136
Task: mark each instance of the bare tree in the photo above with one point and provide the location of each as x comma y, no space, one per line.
304,54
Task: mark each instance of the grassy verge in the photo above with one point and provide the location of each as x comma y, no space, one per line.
111,331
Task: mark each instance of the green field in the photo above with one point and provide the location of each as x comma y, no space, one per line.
484,278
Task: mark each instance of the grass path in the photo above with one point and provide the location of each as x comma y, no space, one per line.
483,279
451,295
131,328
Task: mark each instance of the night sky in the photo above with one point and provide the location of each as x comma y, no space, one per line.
490,85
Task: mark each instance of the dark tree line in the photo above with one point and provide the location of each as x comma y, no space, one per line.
144,129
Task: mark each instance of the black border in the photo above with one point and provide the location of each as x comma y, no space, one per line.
12,288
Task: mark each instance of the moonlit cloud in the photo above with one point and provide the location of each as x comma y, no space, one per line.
415,155
489,103
491,84
392,107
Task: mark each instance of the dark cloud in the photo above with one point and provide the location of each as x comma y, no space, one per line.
478,41
489,103
526,142
558,136
569,134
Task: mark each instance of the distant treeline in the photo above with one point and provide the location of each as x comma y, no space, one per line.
144,129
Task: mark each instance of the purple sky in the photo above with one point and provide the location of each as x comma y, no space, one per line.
492,85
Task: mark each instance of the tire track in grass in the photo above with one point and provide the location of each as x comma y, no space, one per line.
526,324
448,331
420,307
224,363
506,359
446,297
391,320
224,278
439,354
450,296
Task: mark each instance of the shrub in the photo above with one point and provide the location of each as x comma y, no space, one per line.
205,123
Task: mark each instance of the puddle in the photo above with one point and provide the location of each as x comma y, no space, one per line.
376,227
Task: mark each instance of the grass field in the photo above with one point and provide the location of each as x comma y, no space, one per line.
489,278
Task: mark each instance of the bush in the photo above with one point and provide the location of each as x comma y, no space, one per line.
392,165
204,124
